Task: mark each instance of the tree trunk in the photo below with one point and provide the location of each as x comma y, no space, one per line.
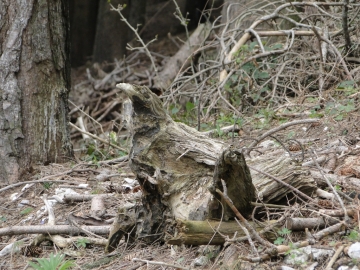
34,85
83,16
111,33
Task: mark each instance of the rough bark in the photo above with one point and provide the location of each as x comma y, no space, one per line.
34,85
175,166
285,169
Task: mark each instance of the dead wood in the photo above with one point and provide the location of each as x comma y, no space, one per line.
181,59
299,224
53,229
295,177
70,198
176,165
123,225
191,232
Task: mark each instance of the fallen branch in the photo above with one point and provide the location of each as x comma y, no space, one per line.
53,229
160,263
44,179
281,127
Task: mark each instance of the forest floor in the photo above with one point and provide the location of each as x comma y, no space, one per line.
93,170
25,207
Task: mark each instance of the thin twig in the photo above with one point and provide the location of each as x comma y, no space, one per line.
98,138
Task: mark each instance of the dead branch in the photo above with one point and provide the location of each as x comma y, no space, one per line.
241,218
160,263
181,59
281,127
98,138
45,179
53,230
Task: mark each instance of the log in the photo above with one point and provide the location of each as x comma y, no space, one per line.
299,224
285,169
212,232
181,60
176,166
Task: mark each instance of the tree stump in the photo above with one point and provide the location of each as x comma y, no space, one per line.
176,166
178,169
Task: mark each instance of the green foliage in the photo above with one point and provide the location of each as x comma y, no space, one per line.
339,111
82,242
95,154
291,134
282,232
47,185
3,219
186,114
252,76
113,137
26,211
279,241
353,236
347,87
265,115
55,262
292,247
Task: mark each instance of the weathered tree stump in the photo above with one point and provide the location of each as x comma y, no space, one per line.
178,169
176,166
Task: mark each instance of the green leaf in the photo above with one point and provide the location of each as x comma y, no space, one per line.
248,67
284,231
346,84
279,241
189,106
55,262
252,45
26,211
276,46
261,75
175,110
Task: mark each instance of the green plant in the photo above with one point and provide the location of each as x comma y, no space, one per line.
47,185
339,111
3,219
54,262
26,211
282,232
353,236
347,87
279,241
292,248
82,242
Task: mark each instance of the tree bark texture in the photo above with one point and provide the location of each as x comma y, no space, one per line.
175,165
34,85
